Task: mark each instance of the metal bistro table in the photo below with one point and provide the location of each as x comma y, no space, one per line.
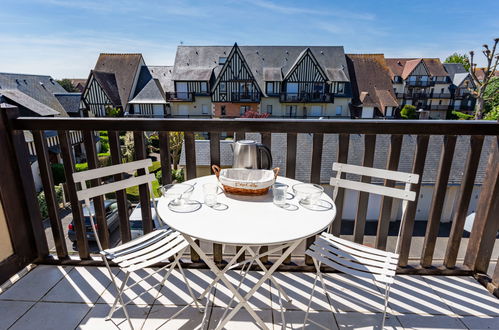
250,222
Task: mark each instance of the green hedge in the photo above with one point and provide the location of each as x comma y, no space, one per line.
58,173
81,167
42,202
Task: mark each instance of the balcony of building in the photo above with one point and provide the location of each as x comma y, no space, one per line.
245,97
180,96
420,83
447,275
305,97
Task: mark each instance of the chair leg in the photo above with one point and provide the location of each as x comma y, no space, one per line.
118,295
387,293
310,300
191,293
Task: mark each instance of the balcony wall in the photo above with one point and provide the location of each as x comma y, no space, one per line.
319,132
6,249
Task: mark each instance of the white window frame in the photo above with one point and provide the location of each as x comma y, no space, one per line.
269,108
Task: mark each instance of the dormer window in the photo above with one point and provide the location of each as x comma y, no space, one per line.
222,60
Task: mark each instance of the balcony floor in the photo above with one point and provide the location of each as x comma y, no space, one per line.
66,297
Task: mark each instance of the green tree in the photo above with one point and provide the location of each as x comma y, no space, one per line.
176,142
408,112
67,85
459,58
492,114
491,94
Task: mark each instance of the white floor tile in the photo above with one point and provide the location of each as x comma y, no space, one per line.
481,322
175,292
146,299
366,321
95,319
10,311
298,286
36,283
412,294
189,318
414,321
82,284
464,295
49,316
294,320
242,320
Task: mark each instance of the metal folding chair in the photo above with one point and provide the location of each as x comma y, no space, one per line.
162,244
353,258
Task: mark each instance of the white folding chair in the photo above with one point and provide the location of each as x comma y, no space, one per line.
162,244
353,258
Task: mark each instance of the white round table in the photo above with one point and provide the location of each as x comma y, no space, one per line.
249,222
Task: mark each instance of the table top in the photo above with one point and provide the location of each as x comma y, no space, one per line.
249,220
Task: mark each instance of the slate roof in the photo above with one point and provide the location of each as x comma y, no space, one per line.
480,73
371,81
69,101
79,84
453,68
404,66
355,155
124,68
152,93
108,83
199,62
33,90
151,85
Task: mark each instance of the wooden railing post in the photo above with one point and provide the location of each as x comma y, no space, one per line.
18,196
486,224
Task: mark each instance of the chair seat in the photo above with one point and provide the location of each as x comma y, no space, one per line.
147,250
353,258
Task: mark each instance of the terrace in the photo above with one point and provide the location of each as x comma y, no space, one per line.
445,281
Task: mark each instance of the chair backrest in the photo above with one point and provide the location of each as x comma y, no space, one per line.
85,194
406,195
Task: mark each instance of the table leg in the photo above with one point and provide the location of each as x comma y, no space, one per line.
268,273
228,284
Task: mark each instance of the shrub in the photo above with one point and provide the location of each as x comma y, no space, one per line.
104,159
102,133
42,202
58,173
408,112
104,144
177,175
81,167
156,166
462,116
492,114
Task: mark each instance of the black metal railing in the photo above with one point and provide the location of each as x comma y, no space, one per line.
306,97
245,97
180,96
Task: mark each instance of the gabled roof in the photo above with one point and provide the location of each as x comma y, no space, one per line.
124,67
107,81
459,79
164,74
28,102
480,73
152,93
37,87
303,54
453,68
69,101
403,67
195,62
371,81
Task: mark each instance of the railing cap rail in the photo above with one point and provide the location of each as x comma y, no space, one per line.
332,126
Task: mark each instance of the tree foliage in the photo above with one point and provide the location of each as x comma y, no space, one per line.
408,112
176,142
67,85
461,115
491,94
493,114
459,58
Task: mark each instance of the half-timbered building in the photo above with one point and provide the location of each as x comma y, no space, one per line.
462,100
150,93
422,82
112,83
285,81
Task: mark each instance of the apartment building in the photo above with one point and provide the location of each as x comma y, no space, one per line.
422,82
462,100
284,81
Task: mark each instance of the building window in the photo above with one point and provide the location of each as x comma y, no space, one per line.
222,60
270,87
442,91
223,87
341,88
291,110
243,109
222,110
339,110
269,108
205,109
204,87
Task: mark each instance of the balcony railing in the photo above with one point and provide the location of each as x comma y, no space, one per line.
28,232
440,96
306,97
180,96
438,107
420,83
245,97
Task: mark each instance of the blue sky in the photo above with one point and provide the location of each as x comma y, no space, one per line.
63,38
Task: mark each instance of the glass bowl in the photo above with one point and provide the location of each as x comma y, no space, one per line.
308,193
177,193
